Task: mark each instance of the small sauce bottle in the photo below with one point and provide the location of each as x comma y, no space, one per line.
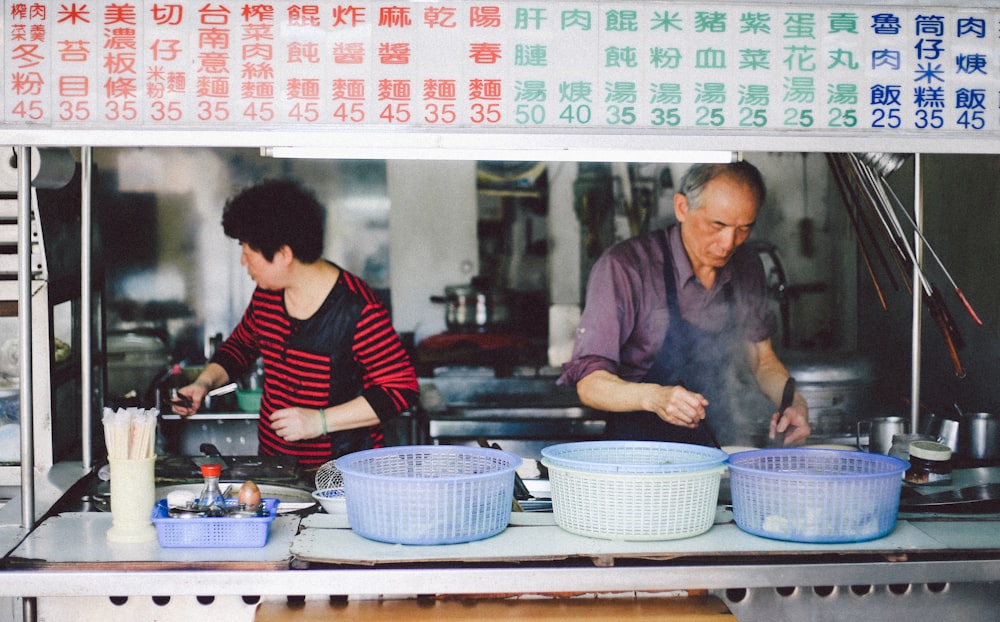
211,496
930,463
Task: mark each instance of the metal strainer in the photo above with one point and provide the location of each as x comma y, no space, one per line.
329,476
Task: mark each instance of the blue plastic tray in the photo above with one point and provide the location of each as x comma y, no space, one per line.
205,532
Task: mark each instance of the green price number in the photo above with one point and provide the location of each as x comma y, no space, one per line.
580,114
843,117
666,116
796,117
529,114
753,117
621,115
711,117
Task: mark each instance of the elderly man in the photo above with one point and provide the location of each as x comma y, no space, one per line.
676,331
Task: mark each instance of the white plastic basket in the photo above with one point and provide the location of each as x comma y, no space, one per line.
634,490
433,494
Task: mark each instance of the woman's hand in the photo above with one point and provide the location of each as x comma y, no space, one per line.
296,423
191,398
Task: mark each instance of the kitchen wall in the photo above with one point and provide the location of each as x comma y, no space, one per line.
409,227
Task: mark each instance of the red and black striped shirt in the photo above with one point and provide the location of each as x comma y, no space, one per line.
346,349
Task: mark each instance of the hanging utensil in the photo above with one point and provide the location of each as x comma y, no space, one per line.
853,184
838,177
900,255
880,204
937,259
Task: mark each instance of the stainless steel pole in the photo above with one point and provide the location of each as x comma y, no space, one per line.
24,309
918,260
86,308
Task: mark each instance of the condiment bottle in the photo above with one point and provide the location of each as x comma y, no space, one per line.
211,496
930,463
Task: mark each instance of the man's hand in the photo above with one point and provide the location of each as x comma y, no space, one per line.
676,405
794,422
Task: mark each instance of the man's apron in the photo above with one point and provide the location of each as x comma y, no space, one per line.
711,363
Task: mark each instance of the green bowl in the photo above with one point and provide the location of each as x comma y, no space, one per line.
249,400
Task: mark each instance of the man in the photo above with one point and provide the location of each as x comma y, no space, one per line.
676,331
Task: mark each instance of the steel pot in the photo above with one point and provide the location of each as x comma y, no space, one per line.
880,432
980,436
469,308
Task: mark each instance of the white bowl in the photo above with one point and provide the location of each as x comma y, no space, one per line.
332,500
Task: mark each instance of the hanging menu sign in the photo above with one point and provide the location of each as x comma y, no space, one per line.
557,65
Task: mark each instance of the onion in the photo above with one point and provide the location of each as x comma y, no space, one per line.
249,493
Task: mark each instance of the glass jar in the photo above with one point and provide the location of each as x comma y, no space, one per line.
930,463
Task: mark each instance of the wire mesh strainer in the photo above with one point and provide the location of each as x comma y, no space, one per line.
329,476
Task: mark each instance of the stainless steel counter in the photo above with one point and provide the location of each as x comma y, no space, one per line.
920,569
926,569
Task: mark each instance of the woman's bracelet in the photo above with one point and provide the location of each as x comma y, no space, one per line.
322,419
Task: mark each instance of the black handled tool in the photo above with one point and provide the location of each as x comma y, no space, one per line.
786,400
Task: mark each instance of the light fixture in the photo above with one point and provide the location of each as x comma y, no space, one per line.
433,148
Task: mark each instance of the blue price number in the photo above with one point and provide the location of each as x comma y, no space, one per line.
753,117
529,114
972,119
395,113
439,113
886,118
666,116
621,115
799,117
929,119
259,111
843,117
576,114
349,113
710,116
485,113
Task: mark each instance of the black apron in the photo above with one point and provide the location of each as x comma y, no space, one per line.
711,363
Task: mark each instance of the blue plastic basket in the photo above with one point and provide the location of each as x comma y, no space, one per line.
815,495
212,532
434,494
638,457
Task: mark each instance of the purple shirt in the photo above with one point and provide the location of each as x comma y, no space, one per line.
625,314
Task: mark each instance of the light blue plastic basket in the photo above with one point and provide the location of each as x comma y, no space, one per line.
212,532
429,494
815,495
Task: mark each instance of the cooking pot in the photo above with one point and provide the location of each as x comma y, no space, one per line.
838,386
474,308
980,436
880,432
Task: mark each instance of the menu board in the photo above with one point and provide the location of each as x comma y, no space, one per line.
563,66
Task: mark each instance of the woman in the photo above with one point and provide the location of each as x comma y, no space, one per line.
334,368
